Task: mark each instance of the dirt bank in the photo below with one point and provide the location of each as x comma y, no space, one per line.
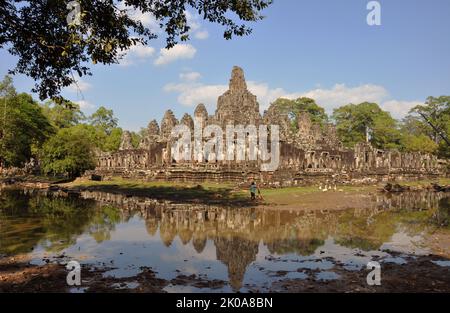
18,275
420,274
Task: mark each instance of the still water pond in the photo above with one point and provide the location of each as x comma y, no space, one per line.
247,248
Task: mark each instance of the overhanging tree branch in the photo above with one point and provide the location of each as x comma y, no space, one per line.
438,131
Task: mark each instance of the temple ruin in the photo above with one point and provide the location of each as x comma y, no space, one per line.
307,152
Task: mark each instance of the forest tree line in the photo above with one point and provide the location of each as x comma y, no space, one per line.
66,141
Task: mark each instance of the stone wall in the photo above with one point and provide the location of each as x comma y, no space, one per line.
310,153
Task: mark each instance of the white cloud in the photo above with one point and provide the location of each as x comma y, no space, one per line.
202,34
194,22
147,19
80,85
398,108
190,76
179,51
191,92
340,95
142,51
264,93
136,54
85,105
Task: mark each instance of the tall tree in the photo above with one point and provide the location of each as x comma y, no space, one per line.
7,91
104,119
417,143
63,116
7,87
135,139
70,152
358,122
24,129
51,46
112,142
295,107
433,118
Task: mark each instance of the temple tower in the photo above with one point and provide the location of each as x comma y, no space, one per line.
237,106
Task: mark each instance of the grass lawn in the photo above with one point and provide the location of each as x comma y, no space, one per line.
226,193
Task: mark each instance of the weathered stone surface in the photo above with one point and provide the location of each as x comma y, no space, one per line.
188,121
277,116
151,136
153,128
238,106
313,152
126,144
168,122
201,114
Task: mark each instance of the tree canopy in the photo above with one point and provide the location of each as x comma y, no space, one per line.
432,120
23,126
51,51
69,152
295,107
104,119
355,122
63,116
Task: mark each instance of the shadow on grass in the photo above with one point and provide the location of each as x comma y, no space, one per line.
178,194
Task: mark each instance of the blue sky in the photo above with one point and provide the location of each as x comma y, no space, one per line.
323,49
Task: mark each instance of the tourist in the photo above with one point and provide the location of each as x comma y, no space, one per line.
253,189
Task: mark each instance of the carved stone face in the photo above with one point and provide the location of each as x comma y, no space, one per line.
237,81
126,144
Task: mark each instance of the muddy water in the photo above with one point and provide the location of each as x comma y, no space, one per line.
249,249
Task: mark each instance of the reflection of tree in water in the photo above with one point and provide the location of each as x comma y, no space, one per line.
295,245
236,253
103,222
369,229
441,216
409,200
366,231
283,231
29,219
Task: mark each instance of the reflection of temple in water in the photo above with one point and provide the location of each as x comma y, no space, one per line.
236,253
236,233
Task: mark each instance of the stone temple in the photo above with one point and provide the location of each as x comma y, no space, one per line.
309,153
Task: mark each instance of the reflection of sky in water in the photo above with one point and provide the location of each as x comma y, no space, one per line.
233,249
126,285
442,263
130,247
327,276
401,241
395,260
